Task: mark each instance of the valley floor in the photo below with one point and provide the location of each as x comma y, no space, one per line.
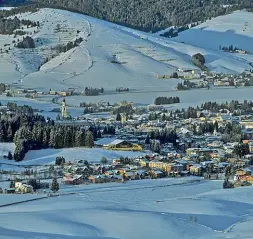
139,209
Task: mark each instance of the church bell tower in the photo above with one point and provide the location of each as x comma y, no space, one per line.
64,113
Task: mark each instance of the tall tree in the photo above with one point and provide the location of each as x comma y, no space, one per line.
55,185
89,140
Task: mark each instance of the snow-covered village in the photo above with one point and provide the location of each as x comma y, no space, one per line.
108,127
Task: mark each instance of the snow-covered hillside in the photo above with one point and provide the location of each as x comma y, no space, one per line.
233,29
169,208
142,56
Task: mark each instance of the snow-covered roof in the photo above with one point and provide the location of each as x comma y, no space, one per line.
104,141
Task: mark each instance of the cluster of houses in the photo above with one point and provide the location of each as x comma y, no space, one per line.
201,79
19,188
200,154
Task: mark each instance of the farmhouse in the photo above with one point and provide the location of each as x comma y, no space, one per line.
23,188
72,179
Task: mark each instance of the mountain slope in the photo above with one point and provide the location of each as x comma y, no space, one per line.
149,15
110,56
233,29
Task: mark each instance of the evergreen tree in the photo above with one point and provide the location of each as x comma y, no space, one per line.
118,117
59,161
55,185
78,139
147,140
45,140
9,136
51,170
58,117
52,138
9,155
104,160
89,140
2,136
12,184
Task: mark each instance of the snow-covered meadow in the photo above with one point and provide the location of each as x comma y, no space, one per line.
144,55
167,208
48,156
232,29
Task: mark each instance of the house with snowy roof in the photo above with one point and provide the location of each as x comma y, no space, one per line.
118,144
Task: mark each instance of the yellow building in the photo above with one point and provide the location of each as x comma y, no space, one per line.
23,188
195,169
165,167
143,163
123,118
247,124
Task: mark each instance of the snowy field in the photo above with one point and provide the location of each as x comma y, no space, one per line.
5,148
187,98
140,209
48,156
8,198
233,29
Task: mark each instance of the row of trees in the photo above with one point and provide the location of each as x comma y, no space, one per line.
185,85
245,107
164,136
230,48
93,91
166,100
64,48
59,161
235,107
10,25
29,131
149,15
44,136
124,108
241,150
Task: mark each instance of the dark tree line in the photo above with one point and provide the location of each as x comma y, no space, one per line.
50,136
27,42
164,136
29,131
125,108
68,46
241,150
185,85
89,91
14,2
149,15
59,161
245,107
17,10
166,100
9,25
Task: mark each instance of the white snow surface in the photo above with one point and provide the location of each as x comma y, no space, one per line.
232,29
143,55
47,156
168,208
